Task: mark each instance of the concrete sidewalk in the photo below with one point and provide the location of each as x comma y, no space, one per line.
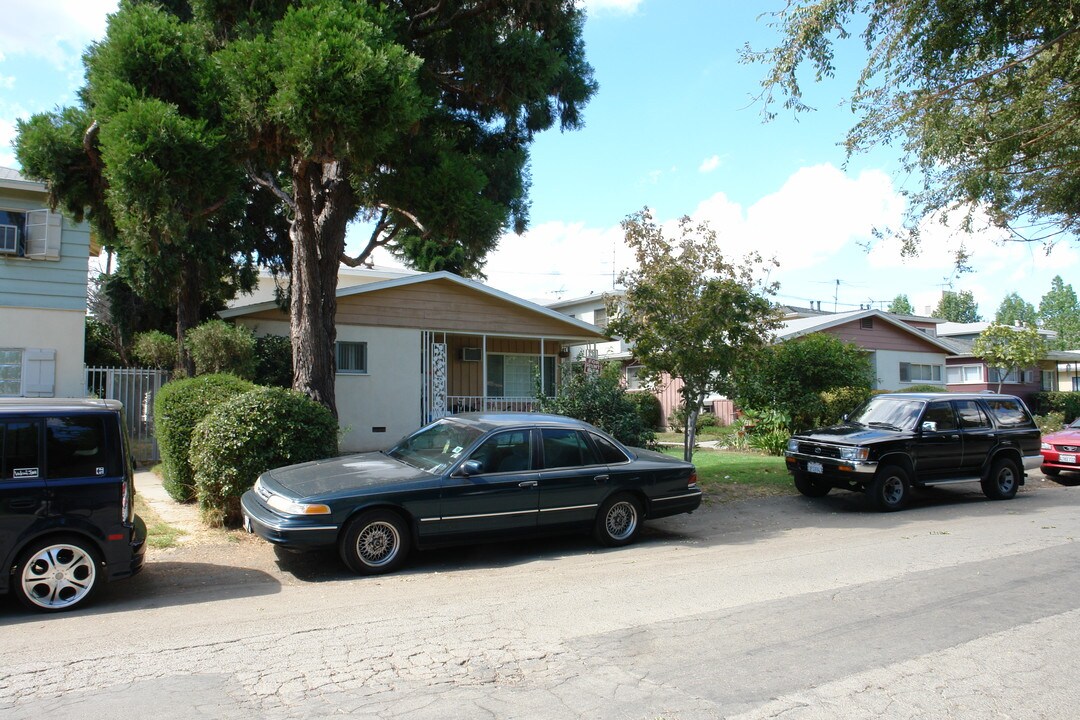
183,516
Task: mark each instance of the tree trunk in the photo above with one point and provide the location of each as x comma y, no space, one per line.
692,402
187,315
325,202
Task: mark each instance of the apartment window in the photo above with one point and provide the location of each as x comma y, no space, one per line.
916,372
1001,375
960,374
600,317
1049,380
34,234
514,376
11,362
12,227
633,377
352,357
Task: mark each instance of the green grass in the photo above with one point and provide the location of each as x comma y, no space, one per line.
727,475
159,534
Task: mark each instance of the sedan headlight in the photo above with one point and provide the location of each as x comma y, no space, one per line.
291,507
854,453
793,445
1047,446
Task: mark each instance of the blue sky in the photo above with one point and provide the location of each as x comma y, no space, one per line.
674,127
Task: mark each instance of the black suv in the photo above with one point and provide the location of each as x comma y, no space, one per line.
898,441
67,522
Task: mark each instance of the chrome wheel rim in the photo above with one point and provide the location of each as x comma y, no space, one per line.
893,490
58,576
1006,479
621,520
378,544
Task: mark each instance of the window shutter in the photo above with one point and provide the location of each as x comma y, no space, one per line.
39,372
42,235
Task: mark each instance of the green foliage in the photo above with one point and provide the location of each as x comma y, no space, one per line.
273,361
648,408
1059,311
901,306
1050,422
767,430
791,377
178,408
248,434
217,347
1015,310
958,307
1066,403
925,388
1009,348
600,399
842,401
155,349
979,95
688,311
99,350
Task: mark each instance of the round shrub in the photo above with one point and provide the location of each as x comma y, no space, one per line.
648,408
249,434
216,346
155,349
178,408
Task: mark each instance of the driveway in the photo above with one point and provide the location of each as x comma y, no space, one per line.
778,607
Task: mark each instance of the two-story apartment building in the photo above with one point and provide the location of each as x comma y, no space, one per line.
43,277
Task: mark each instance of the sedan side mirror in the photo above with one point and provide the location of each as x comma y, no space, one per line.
471,467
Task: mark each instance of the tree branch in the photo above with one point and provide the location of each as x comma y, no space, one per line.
268,182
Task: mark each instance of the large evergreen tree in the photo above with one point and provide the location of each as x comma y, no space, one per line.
958,307
414,116
1059,311
983,97
1015,310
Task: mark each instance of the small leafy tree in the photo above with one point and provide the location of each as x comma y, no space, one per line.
1008,348
155,349
601,400
1015,310
958,307
690,313
216,346
1059,311
901,306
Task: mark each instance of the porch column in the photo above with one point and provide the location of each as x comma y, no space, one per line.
542,384
483,374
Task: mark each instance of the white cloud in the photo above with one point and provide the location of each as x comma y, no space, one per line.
7,137
709,164
620,6
54,30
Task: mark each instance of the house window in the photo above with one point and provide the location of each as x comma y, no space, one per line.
34,234
960,374
633,377
514,376
1001,375
352,357
1049,380
12,227
600,317
915,372
11,363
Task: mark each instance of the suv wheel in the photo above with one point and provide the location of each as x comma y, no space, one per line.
891,488
1003,481
811,487
57,574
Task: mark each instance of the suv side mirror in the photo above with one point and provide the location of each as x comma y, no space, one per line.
929,426
471,467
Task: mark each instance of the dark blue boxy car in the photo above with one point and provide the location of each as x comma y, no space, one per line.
67,520
469,478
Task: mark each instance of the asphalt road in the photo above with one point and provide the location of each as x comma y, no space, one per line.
776,608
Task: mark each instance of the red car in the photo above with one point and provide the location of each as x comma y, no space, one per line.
1061,450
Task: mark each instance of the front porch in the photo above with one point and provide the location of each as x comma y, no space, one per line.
486,372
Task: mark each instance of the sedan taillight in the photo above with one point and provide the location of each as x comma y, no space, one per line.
692,483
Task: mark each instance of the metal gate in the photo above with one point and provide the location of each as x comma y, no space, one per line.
136,388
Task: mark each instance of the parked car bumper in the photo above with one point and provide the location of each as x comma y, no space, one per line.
288,532
830,468
125,558
1059,460
675,504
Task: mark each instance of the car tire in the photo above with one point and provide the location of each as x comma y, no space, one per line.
811,487
58,573
1050,471
1003,480
375,542
619,520
891,488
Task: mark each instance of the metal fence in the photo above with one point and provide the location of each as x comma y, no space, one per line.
136,388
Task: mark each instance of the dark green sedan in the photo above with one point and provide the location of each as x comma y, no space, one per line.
469,478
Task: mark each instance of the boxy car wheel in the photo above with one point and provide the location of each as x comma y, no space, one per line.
1003,480
891,488
376,542
57,574
619,520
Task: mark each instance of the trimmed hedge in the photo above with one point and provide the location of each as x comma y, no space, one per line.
178,408
648,408
1066,403
249,434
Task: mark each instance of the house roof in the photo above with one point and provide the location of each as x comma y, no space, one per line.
798,327
593,297
12,179
586,330
955,329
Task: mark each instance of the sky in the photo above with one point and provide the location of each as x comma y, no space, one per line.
675,127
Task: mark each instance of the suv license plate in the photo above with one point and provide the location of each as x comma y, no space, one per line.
814,467
1071,459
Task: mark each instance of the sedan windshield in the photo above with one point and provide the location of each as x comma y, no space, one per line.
892,413
435,447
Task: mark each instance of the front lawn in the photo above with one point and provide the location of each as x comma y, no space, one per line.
726,475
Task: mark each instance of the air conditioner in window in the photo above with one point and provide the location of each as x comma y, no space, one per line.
471,354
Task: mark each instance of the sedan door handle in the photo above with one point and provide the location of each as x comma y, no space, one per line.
527,484
601,479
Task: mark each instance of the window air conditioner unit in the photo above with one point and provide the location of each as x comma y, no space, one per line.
471,354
